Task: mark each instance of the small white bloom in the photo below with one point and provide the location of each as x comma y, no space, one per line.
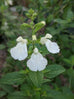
19,52
48,36
52,47
34,37
37,62
43,22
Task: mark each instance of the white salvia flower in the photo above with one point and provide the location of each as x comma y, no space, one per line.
43,22
52,47
37,62
19,52
34,37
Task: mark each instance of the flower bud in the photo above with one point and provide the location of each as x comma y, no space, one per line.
34,37
48,36
35,50
43,22
20,39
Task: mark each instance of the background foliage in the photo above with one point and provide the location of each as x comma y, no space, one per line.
15,83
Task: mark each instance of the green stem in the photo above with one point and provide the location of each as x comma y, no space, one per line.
70,78
33,43
70,82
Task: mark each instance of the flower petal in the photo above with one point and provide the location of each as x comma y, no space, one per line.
37,62
19,52
52,47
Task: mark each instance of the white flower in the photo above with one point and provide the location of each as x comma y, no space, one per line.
37,62
52,47
19,52
34,37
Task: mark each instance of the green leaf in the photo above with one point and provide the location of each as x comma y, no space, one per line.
2,46
46,80
2,93
26,89
41,2
36,78
16,95
37,95
70,60
7,88
67,61
70,73
54,70
25,25
55,94
12,78
10,34
38,26
53,31
60,21
50,18
70,14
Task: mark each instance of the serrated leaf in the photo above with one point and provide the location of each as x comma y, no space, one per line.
7,88
54,70
55,94
12,78
26,89
16,95
36,78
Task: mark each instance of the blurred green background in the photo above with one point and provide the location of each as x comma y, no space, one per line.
59,17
